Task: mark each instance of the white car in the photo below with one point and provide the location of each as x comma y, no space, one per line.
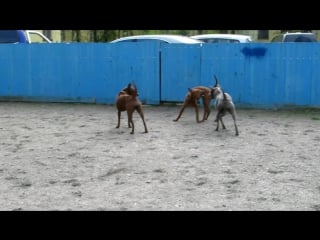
223,38
165,38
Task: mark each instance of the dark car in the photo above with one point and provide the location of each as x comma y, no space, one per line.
12,36
295,37
22,36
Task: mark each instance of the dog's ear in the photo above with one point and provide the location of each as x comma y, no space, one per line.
190,89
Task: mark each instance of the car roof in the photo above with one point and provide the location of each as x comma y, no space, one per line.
162,37
226,36
298,33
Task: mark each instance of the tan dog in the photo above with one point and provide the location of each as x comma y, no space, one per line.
192,98
127,100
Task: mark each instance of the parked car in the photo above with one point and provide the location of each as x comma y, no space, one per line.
22,36
164,38
295,37
223,38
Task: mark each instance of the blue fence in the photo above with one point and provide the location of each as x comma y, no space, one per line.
255,74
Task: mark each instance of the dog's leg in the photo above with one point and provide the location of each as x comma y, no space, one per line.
129,123
130,113
217,120
129,119
208,113
206,104
132,131
236,127
187,102
194,103
181,111
196,106
220,114
139,110
223,126
204,109
119,115
233,114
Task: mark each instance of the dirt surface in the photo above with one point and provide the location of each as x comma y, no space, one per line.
71,157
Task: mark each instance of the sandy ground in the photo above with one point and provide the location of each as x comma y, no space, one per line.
71,157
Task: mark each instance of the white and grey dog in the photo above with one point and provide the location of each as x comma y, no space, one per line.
223,104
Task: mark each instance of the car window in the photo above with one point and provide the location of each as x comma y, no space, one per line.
304,39
142,40
234,41
299,38
220,40
36,37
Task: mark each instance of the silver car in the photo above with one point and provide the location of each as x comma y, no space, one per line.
164,38
295,37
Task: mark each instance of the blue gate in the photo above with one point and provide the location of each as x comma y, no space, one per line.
255,74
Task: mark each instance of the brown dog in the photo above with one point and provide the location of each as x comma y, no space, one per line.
192,98
127,100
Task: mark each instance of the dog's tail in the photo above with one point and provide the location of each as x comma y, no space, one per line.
217,82
225,99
